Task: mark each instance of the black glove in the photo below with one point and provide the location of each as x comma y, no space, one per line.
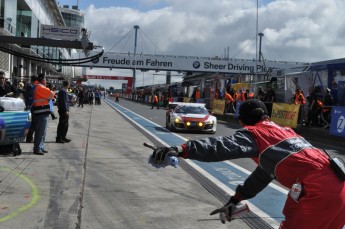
226,211
160,153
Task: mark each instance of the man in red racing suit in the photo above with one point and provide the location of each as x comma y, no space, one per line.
281,154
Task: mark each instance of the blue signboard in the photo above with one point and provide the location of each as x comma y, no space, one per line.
338,121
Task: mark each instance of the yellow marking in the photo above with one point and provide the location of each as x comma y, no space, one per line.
35,196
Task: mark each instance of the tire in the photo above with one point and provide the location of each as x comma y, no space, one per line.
16,149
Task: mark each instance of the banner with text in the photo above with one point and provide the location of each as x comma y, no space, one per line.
338,121
183,63
285,114
218,106
126,78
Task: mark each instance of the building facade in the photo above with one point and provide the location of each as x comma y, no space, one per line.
24,18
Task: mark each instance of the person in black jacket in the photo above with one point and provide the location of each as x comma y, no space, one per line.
63,109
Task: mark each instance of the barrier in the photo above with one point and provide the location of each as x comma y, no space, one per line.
285,114
218,106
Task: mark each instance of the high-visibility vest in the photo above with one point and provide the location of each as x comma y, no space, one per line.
240,96
228,97
197,94
42,95
299,98
155,99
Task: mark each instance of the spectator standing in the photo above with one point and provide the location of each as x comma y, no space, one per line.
41,111
28,94
29,99
229,103
81,97
326,110
51,103
63,109
90,96
281,155
98,96
20,91
270,99
316,106
117,97
5,88
298,98
261,94
155,101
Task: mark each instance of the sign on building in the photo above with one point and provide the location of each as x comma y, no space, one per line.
60,32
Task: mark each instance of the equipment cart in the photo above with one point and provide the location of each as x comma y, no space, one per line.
14,124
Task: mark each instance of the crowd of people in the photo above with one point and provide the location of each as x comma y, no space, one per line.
315,107
40,97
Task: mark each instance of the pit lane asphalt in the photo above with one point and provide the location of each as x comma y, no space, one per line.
100,180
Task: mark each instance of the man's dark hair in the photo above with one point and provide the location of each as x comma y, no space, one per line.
33,78
40,77
65,83
252,111
2,72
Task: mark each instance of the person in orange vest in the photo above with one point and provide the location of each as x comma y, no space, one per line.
248,95
299,97
197,94
155,101
40,113
117,97
170,99
229,107
240,96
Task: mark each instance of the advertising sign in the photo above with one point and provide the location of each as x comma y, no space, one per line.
337,121
60,32
285,114
183,63
218,106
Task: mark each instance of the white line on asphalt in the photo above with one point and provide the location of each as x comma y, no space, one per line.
228,190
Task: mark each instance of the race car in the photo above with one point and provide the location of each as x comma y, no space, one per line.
190,117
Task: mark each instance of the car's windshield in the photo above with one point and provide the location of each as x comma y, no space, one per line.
191,110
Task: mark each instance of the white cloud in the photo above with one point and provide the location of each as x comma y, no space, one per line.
303,30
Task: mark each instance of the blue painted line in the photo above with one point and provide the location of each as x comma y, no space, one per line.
270,200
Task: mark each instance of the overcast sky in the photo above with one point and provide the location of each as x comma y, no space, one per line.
300,30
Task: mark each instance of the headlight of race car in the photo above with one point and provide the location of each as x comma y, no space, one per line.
178,120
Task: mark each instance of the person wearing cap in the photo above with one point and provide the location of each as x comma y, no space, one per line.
281,155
